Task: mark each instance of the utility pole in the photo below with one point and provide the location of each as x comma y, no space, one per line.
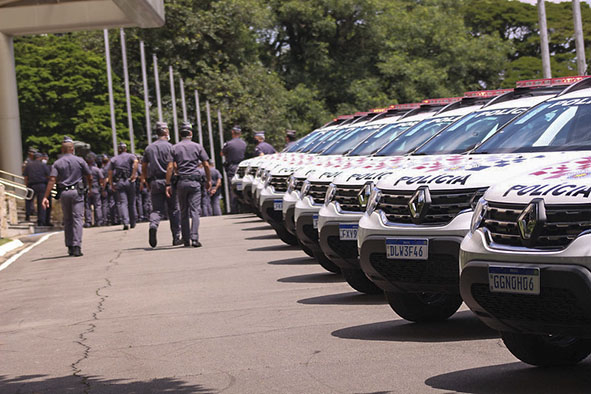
580,43
226,188
157,82
110,82
546,72
146,95
183,102
127,98
173,99
198,113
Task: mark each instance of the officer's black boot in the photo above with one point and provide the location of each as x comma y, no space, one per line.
70,250
76,251
125,227
196,244
176,241
153,241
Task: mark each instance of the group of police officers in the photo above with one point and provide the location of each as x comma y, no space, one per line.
173,181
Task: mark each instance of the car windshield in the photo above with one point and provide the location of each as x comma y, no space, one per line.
380,138
312,144
331,139
351,140
416,135
304,141
469,131
558,125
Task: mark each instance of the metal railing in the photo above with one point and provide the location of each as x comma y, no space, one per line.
16,190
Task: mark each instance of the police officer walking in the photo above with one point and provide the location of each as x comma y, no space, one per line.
290,138
122,175
93,200
36,175
31,152
262,148
233,151
68,172
186,157
154,165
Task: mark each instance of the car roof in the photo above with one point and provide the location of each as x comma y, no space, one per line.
528,101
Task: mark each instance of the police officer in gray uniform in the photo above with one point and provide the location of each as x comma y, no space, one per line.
122,175
205,198
233,151
262,148
215,192
68,172
93,200
154,165
290,138
186,157
36,175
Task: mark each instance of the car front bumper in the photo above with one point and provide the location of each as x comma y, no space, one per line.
343,253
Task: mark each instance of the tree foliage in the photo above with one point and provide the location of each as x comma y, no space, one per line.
277,64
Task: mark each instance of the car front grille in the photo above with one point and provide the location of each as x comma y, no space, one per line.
445,205
552,305
347,197
564,223
279,183
440,269
241,172
318,191
252,171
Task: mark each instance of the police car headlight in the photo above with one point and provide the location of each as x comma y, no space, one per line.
373,201
305,189
477,196
479,214
330,193
291,183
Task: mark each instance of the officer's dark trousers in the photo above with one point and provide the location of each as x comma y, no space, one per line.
215,204
189,193
105,207
39,189
93,200
230,172
162,204
125,196
73,211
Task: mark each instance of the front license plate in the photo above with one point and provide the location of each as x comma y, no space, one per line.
239,186
278,205
514,280
348,232
315,221
407,249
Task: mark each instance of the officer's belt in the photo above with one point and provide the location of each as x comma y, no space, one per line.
72,187
197,178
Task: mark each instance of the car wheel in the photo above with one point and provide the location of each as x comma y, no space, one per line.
306,249
357,280
286,236
326,263
546,350
424,307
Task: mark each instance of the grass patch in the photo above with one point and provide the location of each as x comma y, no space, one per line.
4,241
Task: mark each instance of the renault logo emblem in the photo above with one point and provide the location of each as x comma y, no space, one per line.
419,203
363,196
531,222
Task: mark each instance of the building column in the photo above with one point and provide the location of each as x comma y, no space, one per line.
11,156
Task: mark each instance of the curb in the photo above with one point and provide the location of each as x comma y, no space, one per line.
10,246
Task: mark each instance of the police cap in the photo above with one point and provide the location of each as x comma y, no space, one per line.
186,129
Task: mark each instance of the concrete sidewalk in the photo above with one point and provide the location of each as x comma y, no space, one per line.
243,314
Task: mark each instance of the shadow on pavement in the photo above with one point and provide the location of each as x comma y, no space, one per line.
74,384
147,248
463,326
313,278
294,261
352,298
260,228
262,237
515,377
274,248
250,221
65,256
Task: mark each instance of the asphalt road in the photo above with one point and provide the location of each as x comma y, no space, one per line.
243,314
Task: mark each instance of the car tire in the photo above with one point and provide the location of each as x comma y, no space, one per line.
326,263
357,280
546,350
286,237
424,307
306,249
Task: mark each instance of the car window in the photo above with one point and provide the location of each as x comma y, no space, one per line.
380,138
